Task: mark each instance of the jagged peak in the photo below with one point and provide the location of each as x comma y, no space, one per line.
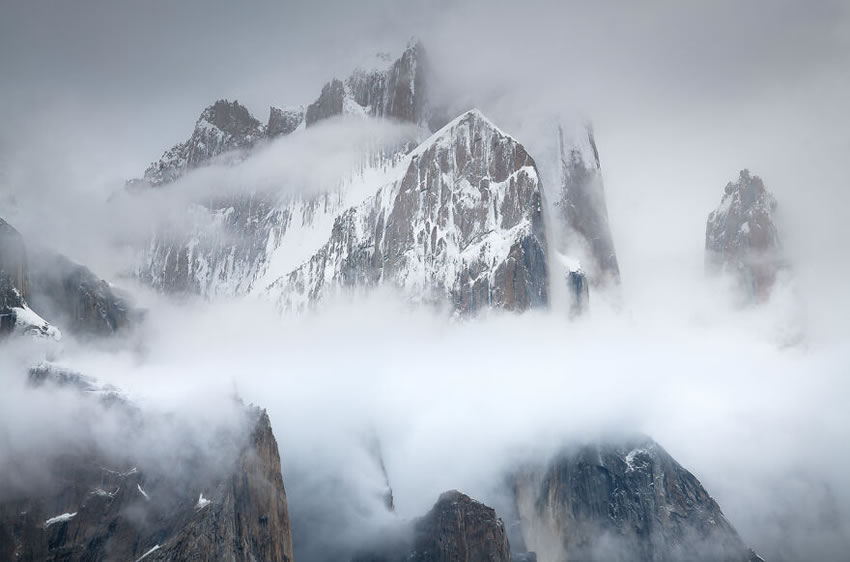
229,116
449,130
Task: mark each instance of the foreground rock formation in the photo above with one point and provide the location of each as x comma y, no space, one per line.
457,528
630,501
741,236
96,503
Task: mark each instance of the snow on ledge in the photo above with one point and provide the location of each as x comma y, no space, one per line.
59,519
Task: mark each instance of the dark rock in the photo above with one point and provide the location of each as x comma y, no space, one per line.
741,236
622,502
227,504
457,529
329,103
283,121
224,127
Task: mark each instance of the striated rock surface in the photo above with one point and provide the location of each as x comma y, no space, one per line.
90,502
223,127
622,502
462,223
741,236
457,529
395,90
581,206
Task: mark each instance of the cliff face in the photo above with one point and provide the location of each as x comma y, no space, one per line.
97,504
741,236
15,313
67,293
463,223
622,502
76,298
582,208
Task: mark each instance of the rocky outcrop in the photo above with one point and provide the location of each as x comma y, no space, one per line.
76,299
741,236
15,313
284,121
630,501
396,90
331,102
68,293
97,503
457,529
581,206
224,127
463,224
247,519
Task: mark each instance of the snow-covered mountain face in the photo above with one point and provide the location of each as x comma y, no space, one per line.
463,221
459,218
741,236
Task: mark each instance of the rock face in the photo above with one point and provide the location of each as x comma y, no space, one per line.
67,293
741,237
582,209
99,505
76,298
622,502
457,529
463,222
284,121
222,127
15,313
397,90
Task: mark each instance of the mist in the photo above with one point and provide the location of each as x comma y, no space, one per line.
681,97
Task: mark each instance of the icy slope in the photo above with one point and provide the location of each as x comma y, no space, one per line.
463,222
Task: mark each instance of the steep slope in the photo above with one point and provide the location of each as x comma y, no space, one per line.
388,89
456,529
69,294
741,237
631,501
76,299
101,503
234,243
581,206
223,127
463,223
15,313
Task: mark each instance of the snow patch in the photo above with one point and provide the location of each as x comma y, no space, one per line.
59,519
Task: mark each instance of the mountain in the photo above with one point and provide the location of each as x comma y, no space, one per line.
69,294
98,503
296,247
624,501
463,222
457,528
581,206
741,236
224,127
